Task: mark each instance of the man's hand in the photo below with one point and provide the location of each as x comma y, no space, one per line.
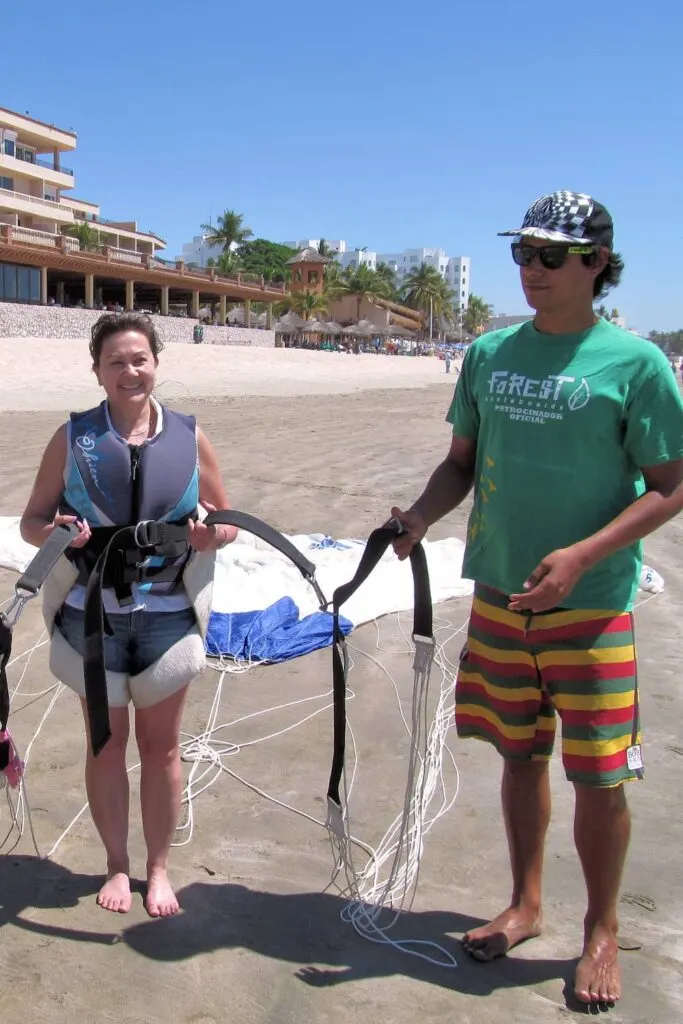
415,528
551,582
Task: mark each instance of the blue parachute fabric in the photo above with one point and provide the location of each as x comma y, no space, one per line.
274,634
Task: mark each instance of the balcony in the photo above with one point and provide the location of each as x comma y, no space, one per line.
51,167
32,236
22,202
36,170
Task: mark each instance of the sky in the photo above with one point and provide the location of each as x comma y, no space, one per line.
390,125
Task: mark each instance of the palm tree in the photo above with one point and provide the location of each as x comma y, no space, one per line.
324,249
229,231
308,304
477,315
387,274
602,311
227,263
364,283
425,289
89,239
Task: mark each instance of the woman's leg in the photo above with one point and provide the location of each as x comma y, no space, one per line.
157,730
106,783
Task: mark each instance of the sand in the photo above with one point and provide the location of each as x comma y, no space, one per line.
312,441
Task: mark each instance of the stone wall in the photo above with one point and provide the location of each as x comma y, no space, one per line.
19,321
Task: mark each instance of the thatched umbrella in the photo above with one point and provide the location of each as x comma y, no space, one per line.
397,331
363,329
314,327
333,327
289,323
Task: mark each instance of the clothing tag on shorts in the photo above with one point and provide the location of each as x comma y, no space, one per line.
634,758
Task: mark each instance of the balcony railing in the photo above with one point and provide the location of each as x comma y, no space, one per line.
124,255
51,167
26,198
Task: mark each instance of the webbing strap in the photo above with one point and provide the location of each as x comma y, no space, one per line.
49,553
244,521
377,544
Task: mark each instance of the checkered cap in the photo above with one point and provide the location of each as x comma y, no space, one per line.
567,217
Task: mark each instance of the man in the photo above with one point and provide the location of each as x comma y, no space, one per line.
570,430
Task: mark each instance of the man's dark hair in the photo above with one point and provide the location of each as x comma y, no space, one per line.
609,277
114,323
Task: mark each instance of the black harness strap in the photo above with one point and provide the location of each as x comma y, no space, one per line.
378,542
150,538
26,587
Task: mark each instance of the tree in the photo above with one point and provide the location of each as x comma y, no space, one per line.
308,304
228,231
324,249
670,342
614,314
266,259
602,311
477,315
364,283
387,274
227,263
425,289
89,239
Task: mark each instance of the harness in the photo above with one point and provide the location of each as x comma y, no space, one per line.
27,587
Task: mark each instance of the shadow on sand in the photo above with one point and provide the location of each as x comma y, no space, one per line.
303,929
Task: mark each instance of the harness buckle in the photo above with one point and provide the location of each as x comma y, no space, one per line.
19,601
146,533
424,652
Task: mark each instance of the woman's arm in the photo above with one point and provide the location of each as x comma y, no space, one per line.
40,515
212,496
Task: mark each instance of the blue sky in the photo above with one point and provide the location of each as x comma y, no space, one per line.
391,125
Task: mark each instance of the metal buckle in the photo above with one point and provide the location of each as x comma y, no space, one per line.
13,613
145,540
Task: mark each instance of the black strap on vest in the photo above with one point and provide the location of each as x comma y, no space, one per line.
127,547
26,587
378,542
153,536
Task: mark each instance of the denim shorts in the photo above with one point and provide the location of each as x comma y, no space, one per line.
140,637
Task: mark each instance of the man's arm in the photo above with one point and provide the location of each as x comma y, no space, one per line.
557,575
448,486
662,501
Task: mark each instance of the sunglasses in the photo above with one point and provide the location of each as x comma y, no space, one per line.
552,257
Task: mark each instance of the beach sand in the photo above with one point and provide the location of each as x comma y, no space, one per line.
311,442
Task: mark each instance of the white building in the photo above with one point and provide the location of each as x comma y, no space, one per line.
198,251
335,245
455,270
355,258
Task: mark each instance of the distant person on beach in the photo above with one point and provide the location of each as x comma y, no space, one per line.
447,360
127,461
570,432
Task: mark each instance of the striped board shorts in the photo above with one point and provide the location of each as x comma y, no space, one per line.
518,669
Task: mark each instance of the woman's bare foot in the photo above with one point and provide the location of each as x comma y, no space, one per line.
598,977
115,893
514,925
161,901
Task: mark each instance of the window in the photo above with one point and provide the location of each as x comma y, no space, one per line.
28,155
463,293
9,147
20,284
7,183
23,291
312,276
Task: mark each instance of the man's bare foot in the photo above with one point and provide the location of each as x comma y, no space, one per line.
598,977
115,893
514,925
161,901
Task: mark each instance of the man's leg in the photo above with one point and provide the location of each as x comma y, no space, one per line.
602,826
526,809
589,667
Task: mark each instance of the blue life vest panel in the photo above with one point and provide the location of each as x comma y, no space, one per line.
111,483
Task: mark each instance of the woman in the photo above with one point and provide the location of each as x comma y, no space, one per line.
126,461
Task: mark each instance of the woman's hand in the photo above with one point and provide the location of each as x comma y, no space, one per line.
84,534
209,538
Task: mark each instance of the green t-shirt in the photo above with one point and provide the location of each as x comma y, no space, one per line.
563,425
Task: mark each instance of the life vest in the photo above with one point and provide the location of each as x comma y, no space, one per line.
112,484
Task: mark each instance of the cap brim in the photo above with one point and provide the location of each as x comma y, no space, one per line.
544,234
